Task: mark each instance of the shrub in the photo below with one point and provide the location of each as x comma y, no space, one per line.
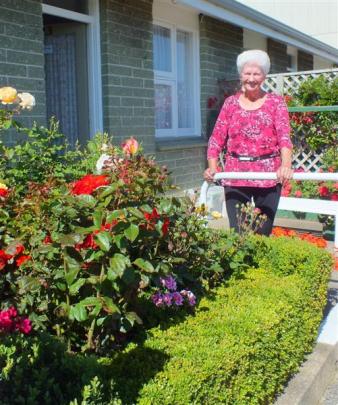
38,370
245,340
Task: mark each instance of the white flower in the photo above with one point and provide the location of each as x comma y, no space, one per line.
27,101
101,161
104,147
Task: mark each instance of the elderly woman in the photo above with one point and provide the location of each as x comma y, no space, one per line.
253,127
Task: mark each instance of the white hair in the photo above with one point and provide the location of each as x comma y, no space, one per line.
256,56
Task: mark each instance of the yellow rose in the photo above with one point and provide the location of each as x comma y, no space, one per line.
216,214
27,101
3,186
8,95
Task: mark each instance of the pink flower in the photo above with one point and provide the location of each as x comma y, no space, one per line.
130,147
298,193
323,191
24,325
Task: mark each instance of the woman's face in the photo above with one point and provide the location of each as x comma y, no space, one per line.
252,77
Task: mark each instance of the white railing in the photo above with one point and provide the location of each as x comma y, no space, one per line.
293,204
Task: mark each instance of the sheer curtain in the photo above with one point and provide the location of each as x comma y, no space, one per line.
174,102
184,80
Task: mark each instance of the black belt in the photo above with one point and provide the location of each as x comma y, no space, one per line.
244,158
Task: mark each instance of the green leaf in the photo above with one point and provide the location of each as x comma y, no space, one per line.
115,215
104,240
74,288
97,218
78,312
72,268
109,190
144,265
136,212
109,306
131,232
133,317
69,239
100,321
90,301
117,266
87,199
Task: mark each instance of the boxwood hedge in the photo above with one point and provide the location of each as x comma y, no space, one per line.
245,340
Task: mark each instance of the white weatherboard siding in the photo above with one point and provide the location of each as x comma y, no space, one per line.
318,18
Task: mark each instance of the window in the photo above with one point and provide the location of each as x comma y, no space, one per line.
176,104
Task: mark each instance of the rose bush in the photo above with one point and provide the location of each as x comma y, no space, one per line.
83,253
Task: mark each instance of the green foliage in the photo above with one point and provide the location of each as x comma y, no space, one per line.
245,340
38,370
317,130
318,91
43,154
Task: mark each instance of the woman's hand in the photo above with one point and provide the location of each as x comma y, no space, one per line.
209,175
284,173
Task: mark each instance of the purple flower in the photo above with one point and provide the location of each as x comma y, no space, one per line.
169,283
189,296
167,299
177,298
157,299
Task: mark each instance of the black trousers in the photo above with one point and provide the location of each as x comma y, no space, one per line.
266,199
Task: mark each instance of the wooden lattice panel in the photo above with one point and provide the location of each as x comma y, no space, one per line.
288,83
307,160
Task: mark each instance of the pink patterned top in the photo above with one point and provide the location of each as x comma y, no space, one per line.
256,132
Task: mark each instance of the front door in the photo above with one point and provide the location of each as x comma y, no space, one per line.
67,77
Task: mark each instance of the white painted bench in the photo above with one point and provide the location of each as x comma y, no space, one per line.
324,207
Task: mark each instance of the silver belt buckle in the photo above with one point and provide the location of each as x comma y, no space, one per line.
244,158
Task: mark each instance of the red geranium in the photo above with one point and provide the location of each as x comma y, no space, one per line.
89,183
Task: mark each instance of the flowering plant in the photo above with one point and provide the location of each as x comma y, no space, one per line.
168,295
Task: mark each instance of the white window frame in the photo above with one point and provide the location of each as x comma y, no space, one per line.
92,19
162,77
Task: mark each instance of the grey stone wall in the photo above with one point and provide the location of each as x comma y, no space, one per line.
220,43
127,70
278,56
21,54
305,61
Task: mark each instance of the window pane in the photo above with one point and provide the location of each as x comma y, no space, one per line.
163,103
184,80
162,48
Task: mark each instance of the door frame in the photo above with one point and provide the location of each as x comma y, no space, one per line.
93,58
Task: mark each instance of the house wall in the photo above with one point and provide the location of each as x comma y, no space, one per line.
305,61
21,54
127,70
278,56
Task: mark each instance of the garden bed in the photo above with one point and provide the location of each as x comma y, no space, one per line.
246,339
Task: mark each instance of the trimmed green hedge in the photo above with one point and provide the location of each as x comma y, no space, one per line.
244,342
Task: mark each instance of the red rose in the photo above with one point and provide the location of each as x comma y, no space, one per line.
165,226
22,259
89,183
323,191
